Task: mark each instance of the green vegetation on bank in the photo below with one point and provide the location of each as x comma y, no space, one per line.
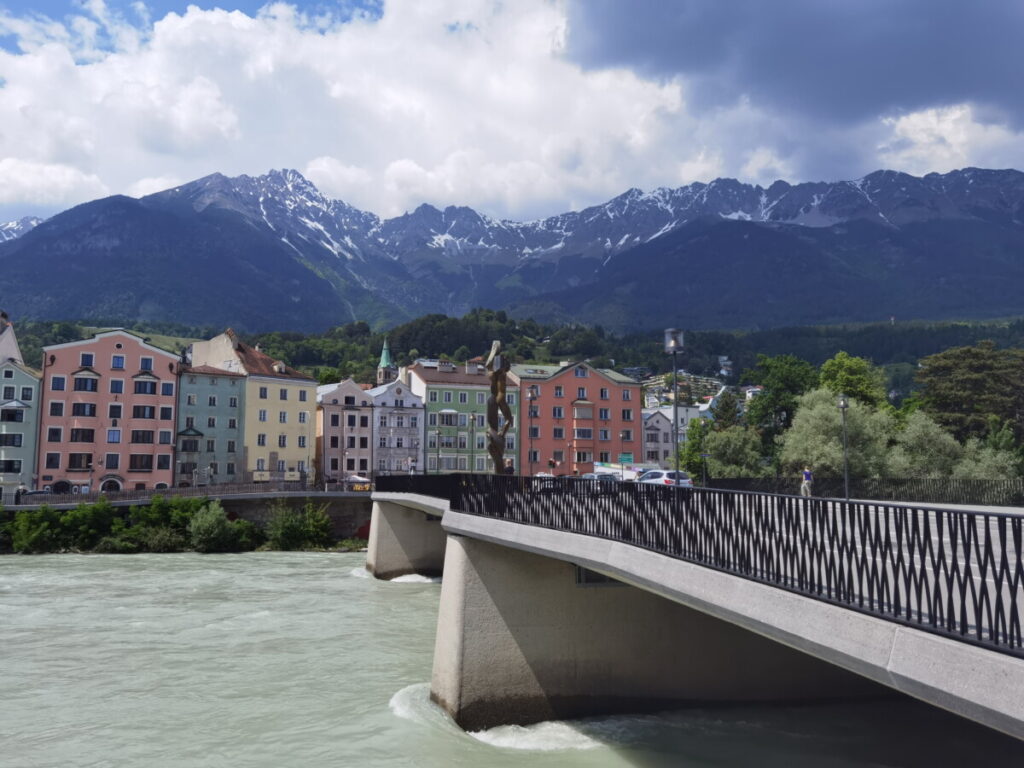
174,524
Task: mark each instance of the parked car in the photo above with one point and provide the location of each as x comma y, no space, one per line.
666,477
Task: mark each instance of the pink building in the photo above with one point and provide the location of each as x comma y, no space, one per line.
108,416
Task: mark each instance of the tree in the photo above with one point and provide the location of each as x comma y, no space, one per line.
690,457
816,437
783,378
980,462
726,411
964,386
735,452
922,449
855,377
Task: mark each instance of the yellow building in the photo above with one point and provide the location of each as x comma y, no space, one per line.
280,408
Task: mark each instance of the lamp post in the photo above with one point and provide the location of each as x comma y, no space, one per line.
437,451
622,465
674,343
472,441
844,405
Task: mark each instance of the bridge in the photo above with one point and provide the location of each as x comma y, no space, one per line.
563,597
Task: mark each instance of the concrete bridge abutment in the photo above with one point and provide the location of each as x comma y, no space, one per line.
521,640
404,540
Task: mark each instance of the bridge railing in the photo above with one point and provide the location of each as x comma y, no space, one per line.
952,572
202,491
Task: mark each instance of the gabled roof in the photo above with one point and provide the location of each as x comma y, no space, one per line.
114,332
9,349
257,363
209,370
455,377
22,367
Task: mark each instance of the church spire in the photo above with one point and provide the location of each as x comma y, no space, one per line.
386,370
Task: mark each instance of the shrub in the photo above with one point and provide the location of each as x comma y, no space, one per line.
36,531
249,535
352,545
210,530
160,539
84,526
116,545
319,530
286,529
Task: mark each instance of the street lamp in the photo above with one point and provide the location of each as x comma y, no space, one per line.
437,451
622,464
844,405
674,343
472,441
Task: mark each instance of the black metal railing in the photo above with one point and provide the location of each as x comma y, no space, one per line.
952,572
438,486
914,490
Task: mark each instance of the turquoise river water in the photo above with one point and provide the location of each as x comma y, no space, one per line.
302,659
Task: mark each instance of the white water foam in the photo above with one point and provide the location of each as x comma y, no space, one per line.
360,572
415,578
552,736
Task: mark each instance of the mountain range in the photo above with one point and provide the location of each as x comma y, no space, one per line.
272,252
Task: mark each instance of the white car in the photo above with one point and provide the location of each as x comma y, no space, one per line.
666,477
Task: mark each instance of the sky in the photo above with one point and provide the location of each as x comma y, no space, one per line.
518,109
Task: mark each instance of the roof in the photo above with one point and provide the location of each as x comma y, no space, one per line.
456,377
526,372
385,356
142,340
257,363
23,368
210,371
9,349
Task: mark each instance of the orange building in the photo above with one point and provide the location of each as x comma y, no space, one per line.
573,415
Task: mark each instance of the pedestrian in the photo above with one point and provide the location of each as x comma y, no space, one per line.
808,481
509,468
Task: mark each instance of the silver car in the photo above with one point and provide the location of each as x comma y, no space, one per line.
666,477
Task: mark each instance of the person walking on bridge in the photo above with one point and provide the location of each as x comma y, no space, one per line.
808,481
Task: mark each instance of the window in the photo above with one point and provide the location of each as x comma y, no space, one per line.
582,433
189,445
142,436
263,414
302,395
559,392
113,435
432,396
8,374
79,461
166,413
335,420
334,441
350,441
604,456
79,435
627,414
83,409
114,411
627,394
284,394
604,413
143,412
190,398
447,397
627,435
165,437
603,434
263,393
53,461
382,421
414,421
534,432
26,394
581,393
334,465
232,423
232,403
382,442
364,442
87,359
117,386
190,422
146,363
112,461
557,412
140,462
302,441
230,468
213,467
57,383
211,446
463,397
56,408
282,417
583,457
167,388
117,362
364,421
302,417
583,412
54,435
280,465
558,433
351,420
11,440
86,384
480,398
261,465
211,422
231,447
145,387
14,415
558,456
604,393
212,401
8,393
163,461
261,439
580,372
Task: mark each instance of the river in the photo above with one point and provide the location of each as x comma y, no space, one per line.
302,660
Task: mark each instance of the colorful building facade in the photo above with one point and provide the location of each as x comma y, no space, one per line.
211,427
344,430
19,416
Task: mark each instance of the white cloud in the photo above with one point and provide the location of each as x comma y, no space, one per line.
465,102
152,184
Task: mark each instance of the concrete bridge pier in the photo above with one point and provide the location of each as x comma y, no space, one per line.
520,641
404,539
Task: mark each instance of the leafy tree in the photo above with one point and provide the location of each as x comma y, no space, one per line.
816,437
36,531
783,378
855,377
286,529
735,452
963,387
922,449
211,531
980,462
319,530
690,453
